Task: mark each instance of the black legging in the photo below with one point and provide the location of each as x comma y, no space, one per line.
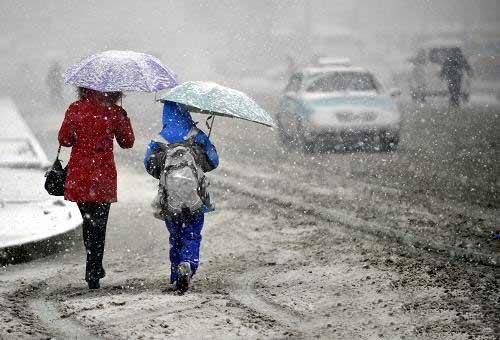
95,218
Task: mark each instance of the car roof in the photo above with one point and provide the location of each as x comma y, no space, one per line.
310,70
329,61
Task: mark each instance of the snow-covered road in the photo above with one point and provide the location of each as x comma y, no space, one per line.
269,270
324,245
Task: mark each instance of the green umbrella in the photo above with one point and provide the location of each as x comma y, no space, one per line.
214,99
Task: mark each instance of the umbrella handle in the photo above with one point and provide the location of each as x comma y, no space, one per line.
211,125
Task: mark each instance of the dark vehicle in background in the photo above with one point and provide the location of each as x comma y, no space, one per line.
425,77
340,106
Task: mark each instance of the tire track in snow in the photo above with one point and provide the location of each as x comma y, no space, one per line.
349,220
246,293
387,191
67,328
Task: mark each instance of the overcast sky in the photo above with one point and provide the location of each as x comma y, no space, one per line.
194,35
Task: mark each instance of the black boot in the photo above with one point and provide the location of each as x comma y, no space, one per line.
171,288
94,284
184,272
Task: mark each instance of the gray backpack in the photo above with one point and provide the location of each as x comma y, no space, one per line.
182,190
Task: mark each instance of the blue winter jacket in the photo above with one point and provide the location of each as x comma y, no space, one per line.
177,123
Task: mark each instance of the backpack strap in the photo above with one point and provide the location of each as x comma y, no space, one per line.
190,137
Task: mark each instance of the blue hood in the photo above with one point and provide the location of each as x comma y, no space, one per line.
176,121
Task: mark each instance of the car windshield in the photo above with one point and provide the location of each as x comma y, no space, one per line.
17,153
342,81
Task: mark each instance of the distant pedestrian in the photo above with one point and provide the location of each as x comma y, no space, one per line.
291,65
89,127
452,71
184,228
54,83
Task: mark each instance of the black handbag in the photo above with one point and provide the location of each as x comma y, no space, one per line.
55,177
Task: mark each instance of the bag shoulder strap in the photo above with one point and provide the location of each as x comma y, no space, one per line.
58,152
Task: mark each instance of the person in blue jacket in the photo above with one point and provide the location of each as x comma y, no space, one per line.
185,232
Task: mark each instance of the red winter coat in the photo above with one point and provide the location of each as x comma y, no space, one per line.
89,128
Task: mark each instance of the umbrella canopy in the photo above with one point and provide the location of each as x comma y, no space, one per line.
112,71
214,99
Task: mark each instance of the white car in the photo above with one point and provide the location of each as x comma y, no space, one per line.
28,214
340,105
425,76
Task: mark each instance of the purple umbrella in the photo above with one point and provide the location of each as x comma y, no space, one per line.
112,71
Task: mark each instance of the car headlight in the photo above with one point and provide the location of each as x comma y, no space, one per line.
345,116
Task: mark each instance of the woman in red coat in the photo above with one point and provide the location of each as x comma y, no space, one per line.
89,127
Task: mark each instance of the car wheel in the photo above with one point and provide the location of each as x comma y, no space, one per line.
286,142
301,142
307,147
414,95
389,141
417,96
420,98
284,136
